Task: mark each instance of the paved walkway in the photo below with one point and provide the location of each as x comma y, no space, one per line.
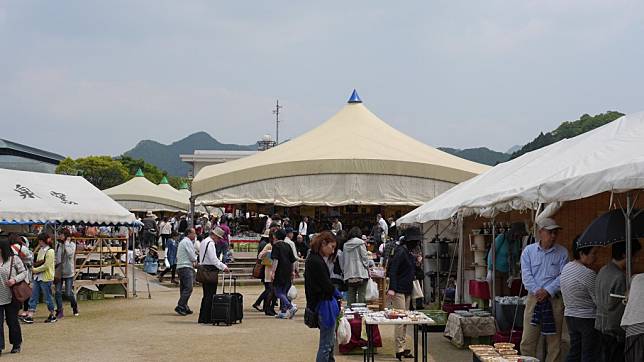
145,329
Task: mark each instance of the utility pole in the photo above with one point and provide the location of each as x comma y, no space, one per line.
276,112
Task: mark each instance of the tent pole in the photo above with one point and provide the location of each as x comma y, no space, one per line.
133,265
438,266
461,250
191,211
629,256
493,294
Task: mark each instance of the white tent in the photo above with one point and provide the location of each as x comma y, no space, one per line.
354,158
31,197
608,158
140,194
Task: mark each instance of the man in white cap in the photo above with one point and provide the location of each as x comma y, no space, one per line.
541,265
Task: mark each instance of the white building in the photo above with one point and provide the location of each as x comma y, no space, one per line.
202,158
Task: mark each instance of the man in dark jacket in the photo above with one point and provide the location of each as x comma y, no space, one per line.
402,272
150,230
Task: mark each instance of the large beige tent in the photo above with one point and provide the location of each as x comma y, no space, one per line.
354,158
140,194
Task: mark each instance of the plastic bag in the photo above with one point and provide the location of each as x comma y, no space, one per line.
344,331
417,291
372,291
292,293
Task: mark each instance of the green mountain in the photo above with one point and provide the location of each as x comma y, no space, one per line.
480,154
166,157
568,129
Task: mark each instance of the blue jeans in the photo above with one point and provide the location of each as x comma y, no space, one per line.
327,341
69,293
38,287
280,293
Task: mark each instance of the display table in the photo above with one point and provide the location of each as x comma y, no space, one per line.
356,341
414,318
459,327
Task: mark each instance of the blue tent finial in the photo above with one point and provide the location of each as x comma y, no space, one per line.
355,98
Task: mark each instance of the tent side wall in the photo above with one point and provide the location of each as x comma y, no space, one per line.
331,190
326,167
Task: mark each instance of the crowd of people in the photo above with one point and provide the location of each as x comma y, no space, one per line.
591,304
47,271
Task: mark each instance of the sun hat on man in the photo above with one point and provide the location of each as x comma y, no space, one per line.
218,232
548,224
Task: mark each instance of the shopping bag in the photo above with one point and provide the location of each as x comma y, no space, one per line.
417,291
292,293
372,290
344,331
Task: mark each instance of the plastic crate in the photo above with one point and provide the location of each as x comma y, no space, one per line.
439,316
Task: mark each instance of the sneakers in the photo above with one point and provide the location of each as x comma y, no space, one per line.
51,319
76,314
282,315
189,311
291,312
59,314
28,320
15,349
180,311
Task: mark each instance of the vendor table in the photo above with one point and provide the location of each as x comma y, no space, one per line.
374,319
459,327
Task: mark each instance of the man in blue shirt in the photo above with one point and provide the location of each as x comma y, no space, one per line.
541,265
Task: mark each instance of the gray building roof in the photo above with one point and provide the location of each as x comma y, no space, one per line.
17,149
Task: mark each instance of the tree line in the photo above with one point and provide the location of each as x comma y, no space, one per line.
106,171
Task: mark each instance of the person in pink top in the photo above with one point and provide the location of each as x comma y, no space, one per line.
223,245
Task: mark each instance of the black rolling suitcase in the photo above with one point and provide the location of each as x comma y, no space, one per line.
227,307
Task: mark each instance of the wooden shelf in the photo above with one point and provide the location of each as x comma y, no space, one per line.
85,252
84,282
104,265
99,246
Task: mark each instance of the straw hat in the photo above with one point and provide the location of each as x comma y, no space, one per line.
219,232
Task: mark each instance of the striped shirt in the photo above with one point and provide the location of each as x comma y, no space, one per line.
634,329
578,290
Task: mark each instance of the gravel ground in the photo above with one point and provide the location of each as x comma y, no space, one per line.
145,329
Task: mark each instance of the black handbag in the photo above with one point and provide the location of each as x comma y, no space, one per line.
207,273
311,318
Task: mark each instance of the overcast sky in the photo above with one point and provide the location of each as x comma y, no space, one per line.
95,77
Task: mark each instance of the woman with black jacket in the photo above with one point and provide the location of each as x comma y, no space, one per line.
402,272
321,294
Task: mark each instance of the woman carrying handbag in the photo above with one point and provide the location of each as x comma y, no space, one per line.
12,272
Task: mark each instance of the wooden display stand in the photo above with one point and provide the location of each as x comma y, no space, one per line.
116,273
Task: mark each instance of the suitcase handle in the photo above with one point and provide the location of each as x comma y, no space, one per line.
232,282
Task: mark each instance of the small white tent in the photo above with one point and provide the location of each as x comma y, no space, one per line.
140,194
31,197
